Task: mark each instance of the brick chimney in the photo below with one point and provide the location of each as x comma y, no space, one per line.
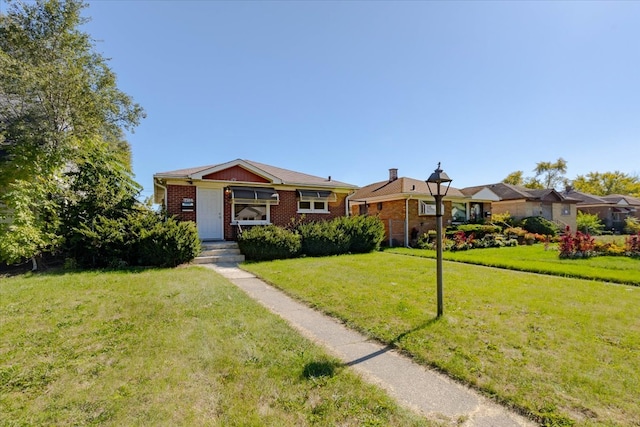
393,174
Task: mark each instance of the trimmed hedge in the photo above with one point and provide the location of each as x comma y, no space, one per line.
140,237
539,225
264,243
357,234
323,238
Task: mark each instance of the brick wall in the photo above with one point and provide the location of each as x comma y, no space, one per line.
392,213
175,194
282,213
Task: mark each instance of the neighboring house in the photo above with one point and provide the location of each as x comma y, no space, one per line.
408,209
612,210
225,197
522,202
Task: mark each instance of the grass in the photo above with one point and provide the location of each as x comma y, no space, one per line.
535,258
167,347
565,351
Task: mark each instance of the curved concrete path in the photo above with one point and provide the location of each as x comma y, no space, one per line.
424,390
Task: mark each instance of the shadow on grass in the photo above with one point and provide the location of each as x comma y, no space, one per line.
392,344
315,370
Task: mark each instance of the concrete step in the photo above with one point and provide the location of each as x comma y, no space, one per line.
213,252
221,244
219,252
218,259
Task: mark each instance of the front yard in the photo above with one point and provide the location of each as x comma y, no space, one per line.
538,259
167,347
563,350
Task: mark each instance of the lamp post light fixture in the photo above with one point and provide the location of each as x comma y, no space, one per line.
438,177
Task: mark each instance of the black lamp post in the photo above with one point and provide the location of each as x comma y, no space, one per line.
439,177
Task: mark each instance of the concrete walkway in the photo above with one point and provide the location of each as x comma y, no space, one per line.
415,386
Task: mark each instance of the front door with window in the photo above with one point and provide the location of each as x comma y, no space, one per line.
209,213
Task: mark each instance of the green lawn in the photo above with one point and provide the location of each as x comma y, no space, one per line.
566,351
167,347
535,258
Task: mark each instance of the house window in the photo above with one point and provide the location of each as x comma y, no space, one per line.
458,212
311,201
566,210
428,208
251,213
251,205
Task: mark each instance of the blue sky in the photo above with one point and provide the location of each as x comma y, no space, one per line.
351,89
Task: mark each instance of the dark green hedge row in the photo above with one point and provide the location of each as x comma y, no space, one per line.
357,234
141,237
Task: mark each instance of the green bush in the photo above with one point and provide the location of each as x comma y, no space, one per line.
539,225
365,233
141,237
427,240
324,238
169,243
269,242
589,223
478,230
102,242
631,225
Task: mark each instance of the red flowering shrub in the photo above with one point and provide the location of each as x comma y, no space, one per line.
632,245
580,245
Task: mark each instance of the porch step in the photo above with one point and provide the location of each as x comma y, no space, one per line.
219,253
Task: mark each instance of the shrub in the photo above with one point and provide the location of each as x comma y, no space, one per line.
427,240
102,242
141,237
589,223
503,220
632,245
609,249
269,242
494,241
365,233
631,225
169,243
462,242
478,230
580,245
539,225
323,238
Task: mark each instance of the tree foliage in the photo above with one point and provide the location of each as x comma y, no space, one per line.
60,111
514,178
589,223
605,183
547,175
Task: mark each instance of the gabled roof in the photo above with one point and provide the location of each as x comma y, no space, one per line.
584,198
400,188
273,174
622,199
516,192
612,199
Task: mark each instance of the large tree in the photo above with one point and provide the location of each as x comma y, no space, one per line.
547,175
59,106
602,184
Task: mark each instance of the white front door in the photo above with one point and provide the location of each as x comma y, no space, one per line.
209,213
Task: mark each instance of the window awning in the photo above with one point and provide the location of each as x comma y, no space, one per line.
254,195
316,195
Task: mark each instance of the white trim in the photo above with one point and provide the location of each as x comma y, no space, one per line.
237,162
251,222
312,208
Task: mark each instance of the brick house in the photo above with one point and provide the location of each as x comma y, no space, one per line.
522,202
407,208
612,210
222,198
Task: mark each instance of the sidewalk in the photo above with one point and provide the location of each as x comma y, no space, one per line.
417,387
